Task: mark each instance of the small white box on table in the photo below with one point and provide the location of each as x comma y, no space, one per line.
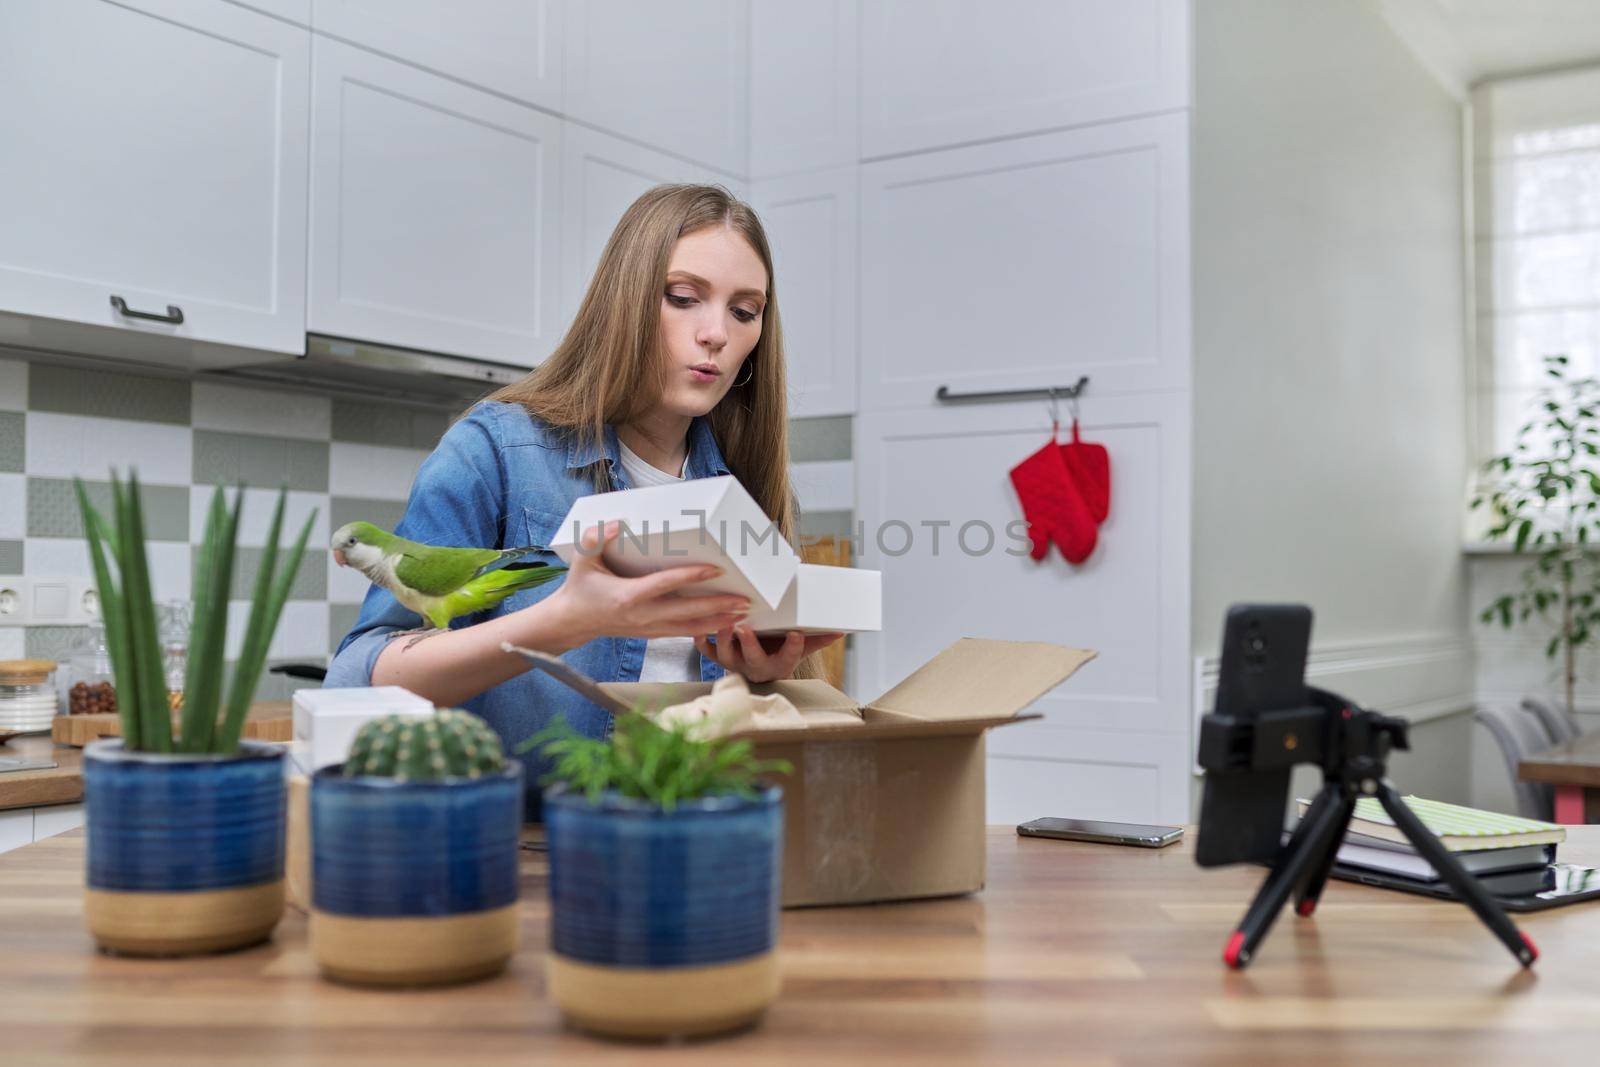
326,720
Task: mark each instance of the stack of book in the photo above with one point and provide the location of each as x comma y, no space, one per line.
1485,842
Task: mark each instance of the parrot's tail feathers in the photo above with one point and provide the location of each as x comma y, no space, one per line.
488,590
522,552
513,559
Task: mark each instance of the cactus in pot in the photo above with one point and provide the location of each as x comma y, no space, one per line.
451,744
414,853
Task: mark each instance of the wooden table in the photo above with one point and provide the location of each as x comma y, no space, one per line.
1573,767
1074,954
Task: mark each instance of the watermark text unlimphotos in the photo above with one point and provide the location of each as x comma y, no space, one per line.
892,537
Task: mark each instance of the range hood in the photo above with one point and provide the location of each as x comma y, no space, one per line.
362,368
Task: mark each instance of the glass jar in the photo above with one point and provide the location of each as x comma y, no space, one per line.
175,649
28,699
92,689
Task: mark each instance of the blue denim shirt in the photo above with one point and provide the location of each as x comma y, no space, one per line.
501,478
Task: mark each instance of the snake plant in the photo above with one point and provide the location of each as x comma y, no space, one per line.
211,721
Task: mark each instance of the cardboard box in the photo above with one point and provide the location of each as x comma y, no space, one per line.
886,801
824,599
701,520
326,720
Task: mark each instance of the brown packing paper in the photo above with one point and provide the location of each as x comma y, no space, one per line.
886,801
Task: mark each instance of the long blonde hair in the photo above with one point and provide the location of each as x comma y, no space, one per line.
609,366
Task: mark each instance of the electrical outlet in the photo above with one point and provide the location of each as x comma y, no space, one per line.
15,596
47,601
85,601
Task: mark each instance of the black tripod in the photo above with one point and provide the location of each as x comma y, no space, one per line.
1355,746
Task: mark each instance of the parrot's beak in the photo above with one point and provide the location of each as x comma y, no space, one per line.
338,557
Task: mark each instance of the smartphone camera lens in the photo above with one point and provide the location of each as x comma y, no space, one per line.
1255,649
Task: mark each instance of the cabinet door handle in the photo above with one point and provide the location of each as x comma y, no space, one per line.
174,313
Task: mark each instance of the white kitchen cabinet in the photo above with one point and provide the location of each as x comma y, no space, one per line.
296,11
602,175
23,826
937,73
155,156
56,819
16,828
810,219
1027,263
1114,740
509,46
435,212
804,111
672,76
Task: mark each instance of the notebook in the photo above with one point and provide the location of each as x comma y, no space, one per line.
1411,865
1459,828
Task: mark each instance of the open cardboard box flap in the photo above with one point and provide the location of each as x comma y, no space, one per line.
981,678
974,684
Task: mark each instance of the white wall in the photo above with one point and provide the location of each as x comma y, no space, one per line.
1330,421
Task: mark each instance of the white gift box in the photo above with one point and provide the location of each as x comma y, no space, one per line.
714,520
825,599
698,521
326,720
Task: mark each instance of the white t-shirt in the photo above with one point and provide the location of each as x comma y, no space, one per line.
666,659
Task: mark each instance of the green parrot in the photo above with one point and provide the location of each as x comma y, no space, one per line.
437,583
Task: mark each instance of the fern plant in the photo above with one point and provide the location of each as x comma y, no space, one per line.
211,721
1544,494
646,762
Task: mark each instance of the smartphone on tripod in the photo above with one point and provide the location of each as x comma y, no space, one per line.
1264,650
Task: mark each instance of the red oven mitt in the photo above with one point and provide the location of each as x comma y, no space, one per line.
1090,467
1053,506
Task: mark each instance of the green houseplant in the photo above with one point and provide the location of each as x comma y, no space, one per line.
665,880
186,830
414,853
1544,494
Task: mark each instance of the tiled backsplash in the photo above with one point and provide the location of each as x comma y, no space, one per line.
183,438
348,459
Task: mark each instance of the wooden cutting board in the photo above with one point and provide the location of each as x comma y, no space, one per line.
267,720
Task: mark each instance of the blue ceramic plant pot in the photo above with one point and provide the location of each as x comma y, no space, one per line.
414,883
664,923
185,852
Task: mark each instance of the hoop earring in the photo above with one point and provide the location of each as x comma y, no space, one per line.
750,365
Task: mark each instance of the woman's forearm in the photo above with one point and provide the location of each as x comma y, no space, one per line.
453,666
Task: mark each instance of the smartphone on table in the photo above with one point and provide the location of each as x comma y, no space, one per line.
1105,833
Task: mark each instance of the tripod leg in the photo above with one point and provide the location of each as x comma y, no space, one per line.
1305,901
1299,858
1465,885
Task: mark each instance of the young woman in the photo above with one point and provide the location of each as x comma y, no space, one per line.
673,369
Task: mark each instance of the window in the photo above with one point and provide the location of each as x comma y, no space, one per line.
1536,183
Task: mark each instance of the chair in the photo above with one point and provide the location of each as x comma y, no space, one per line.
1557,721
1519,733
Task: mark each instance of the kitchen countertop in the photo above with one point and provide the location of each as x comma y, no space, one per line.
63,784
1074,954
